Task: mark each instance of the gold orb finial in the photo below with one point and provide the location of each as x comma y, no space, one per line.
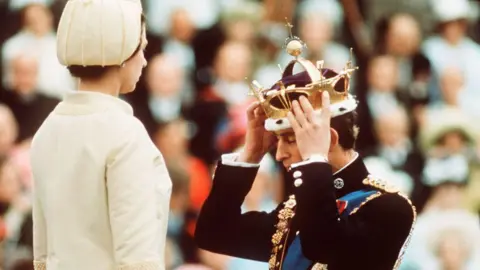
294,45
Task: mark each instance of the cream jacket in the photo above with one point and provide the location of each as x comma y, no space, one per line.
101,189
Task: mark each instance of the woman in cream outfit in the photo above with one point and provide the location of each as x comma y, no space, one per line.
102,191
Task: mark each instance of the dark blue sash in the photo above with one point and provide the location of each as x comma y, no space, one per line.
294,259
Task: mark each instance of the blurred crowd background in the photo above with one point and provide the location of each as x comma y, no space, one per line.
418,86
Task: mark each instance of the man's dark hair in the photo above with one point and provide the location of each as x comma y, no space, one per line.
347,129
96,72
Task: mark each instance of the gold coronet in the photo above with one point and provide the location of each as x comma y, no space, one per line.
277,101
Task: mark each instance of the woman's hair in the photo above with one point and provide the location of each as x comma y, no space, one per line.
96,72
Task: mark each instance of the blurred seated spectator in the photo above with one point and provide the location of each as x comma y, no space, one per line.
319,26
241,22
381,96
395,158
165,98
448,131
13,210
20,4
232,65
179,205
19,153
38,37
446,179
268,47
178,44
449,142
448,239
210,112
418,97
204,13
191,185
233,133
451,86
172,139
451,47
29,106
399,35
8,130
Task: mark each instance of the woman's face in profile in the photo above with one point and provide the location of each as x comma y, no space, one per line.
131,72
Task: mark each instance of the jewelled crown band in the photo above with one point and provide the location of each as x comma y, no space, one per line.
276,101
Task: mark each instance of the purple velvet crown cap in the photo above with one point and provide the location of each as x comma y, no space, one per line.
301,79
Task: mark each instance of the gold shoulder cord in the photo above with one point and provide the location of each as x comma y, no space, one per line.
288,212
284,217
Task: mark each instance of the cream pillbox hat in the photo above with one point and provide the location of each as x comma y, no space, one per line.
99,32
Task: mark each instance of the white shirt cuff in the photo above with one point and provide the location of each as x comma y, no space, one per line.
231,160
309,161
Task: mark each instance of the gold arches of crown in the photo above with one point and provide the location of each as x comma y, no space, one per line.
277,102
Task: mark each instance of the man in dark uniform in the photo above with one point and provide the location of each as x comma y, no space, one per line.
339,217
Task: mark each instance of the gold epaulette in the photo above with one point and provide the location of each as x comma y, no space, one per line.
389,188
380,184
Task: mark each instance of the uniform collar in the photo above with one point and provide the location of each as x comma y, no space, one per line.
350,178
87,102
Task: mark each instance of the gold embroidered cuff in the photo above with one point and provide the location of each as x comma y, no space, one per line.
37,265
142,266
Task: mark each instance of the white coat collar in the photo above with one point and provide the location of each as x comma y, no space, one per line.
87,102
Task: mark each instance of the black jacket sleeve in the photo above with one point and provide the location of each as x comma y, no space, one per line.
379,228
222,228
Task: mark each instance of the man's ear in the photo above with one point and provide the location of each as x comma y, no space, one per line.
333,139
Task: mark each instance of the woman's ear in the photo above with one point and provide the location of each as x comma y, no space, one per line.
333,139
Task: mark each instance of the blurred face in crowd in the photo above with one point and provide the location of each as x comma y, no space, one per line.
383,74
316,31
454,31
453,142
25,74
38,19
182,27
132,70
172,139
447,196
451,83
452,251
8,130
164,76
233,62
392,128
242,30
9,182
403,36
